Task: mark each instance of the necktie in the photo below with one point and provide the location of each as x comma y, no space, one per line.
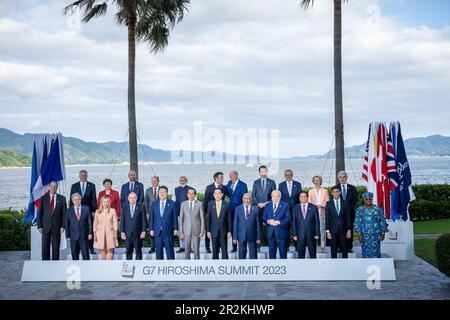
132,211
218,209
233,186
344,192
161,211
290,188
131,186
263,182
154,192
78,213
52,205
190,206
304,211
275,207
247,213
338,209
83,188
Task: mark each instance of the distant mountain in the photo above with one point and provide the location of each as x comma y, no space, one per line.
14,159
431,146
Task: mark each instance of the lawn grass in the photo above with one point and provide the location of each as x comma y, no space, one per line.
433,226
424,248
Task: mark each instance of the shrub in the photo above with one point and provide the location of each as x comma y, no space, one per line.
13,234
442,248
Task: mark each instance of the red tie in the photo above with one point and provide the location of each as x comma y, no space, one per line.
52,205
246,213
304,211
78,213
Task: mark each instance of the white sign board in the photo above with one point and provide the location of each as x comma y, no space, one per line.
399,242
211,270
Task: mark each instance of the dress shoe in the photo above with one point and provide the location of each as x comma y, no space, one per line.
180,250
350,250
92,251
233,250
208,250
152,250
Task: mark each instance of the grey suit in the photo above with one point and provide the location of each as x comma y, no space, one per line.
148,200
192,224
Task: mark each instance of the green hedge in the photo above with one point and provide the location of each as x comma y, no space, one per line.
442,248
13,234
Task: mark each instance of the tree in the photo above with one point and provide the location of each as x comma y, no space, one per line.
338,109
148,21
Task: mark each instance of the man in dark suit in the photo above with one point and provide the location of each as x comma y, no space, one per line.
236,190
218,224
305,226
131,186
180,195
51,217
262,190
337,223
78,227
247,228
133,224
290,193
88,198
164,224
277,218
151,195
209,196
348,193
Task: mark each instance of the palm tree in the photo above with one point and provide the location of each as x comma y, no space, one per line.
149,21
338,111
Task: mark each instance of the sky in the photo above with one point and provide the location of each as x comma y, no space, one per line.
230,64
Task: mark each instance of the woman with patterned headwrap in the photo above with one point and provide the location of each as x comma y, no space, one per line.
371,225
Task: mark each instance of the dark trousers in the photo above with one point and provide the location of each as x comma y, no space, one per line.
301,247
338,240
275,243
219,243
77,246
167,244
133,244
350,241
232,223
252,249
151,241
53,238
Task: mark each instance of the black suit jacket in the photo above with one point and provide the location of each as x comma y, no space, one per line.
90,195
305,228
351,197
223,223
78,229
133,227
209,194
45,220
337,223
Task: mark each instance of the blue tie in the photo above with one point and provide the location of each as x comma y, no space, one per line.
263,182
190,207
337,206
344,192
161,211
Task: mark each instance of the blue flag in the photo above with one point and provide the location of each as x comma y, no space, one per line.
402,196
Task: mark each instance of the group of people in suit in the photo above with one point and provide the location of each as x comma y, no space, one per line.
227,212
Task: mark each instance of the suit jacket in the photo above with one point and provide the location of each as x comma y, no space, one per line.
305,228
192,223
337,223
180,196
258,195
90,195
133,226
295,193
282,214
149,198
45,220
223,223
246,230
236,195
163,226
125,191
78,229
209,194
351,197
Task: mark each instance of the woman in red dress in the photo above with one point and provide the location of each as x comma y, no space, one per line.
113,195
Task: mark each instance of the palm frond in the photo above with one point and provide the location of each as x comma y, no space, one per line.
306,4
96,11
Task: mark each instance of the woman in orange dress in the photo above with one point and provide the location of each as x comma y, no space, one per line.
114,197
105,229
319,196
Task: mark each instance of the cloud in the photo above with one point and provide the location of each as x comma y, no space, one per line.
268,64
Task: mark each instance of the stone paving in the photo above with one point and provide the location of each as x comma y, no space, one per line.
416,279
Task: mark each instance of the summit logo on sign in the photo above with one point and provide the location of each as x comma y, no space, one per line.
127,270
